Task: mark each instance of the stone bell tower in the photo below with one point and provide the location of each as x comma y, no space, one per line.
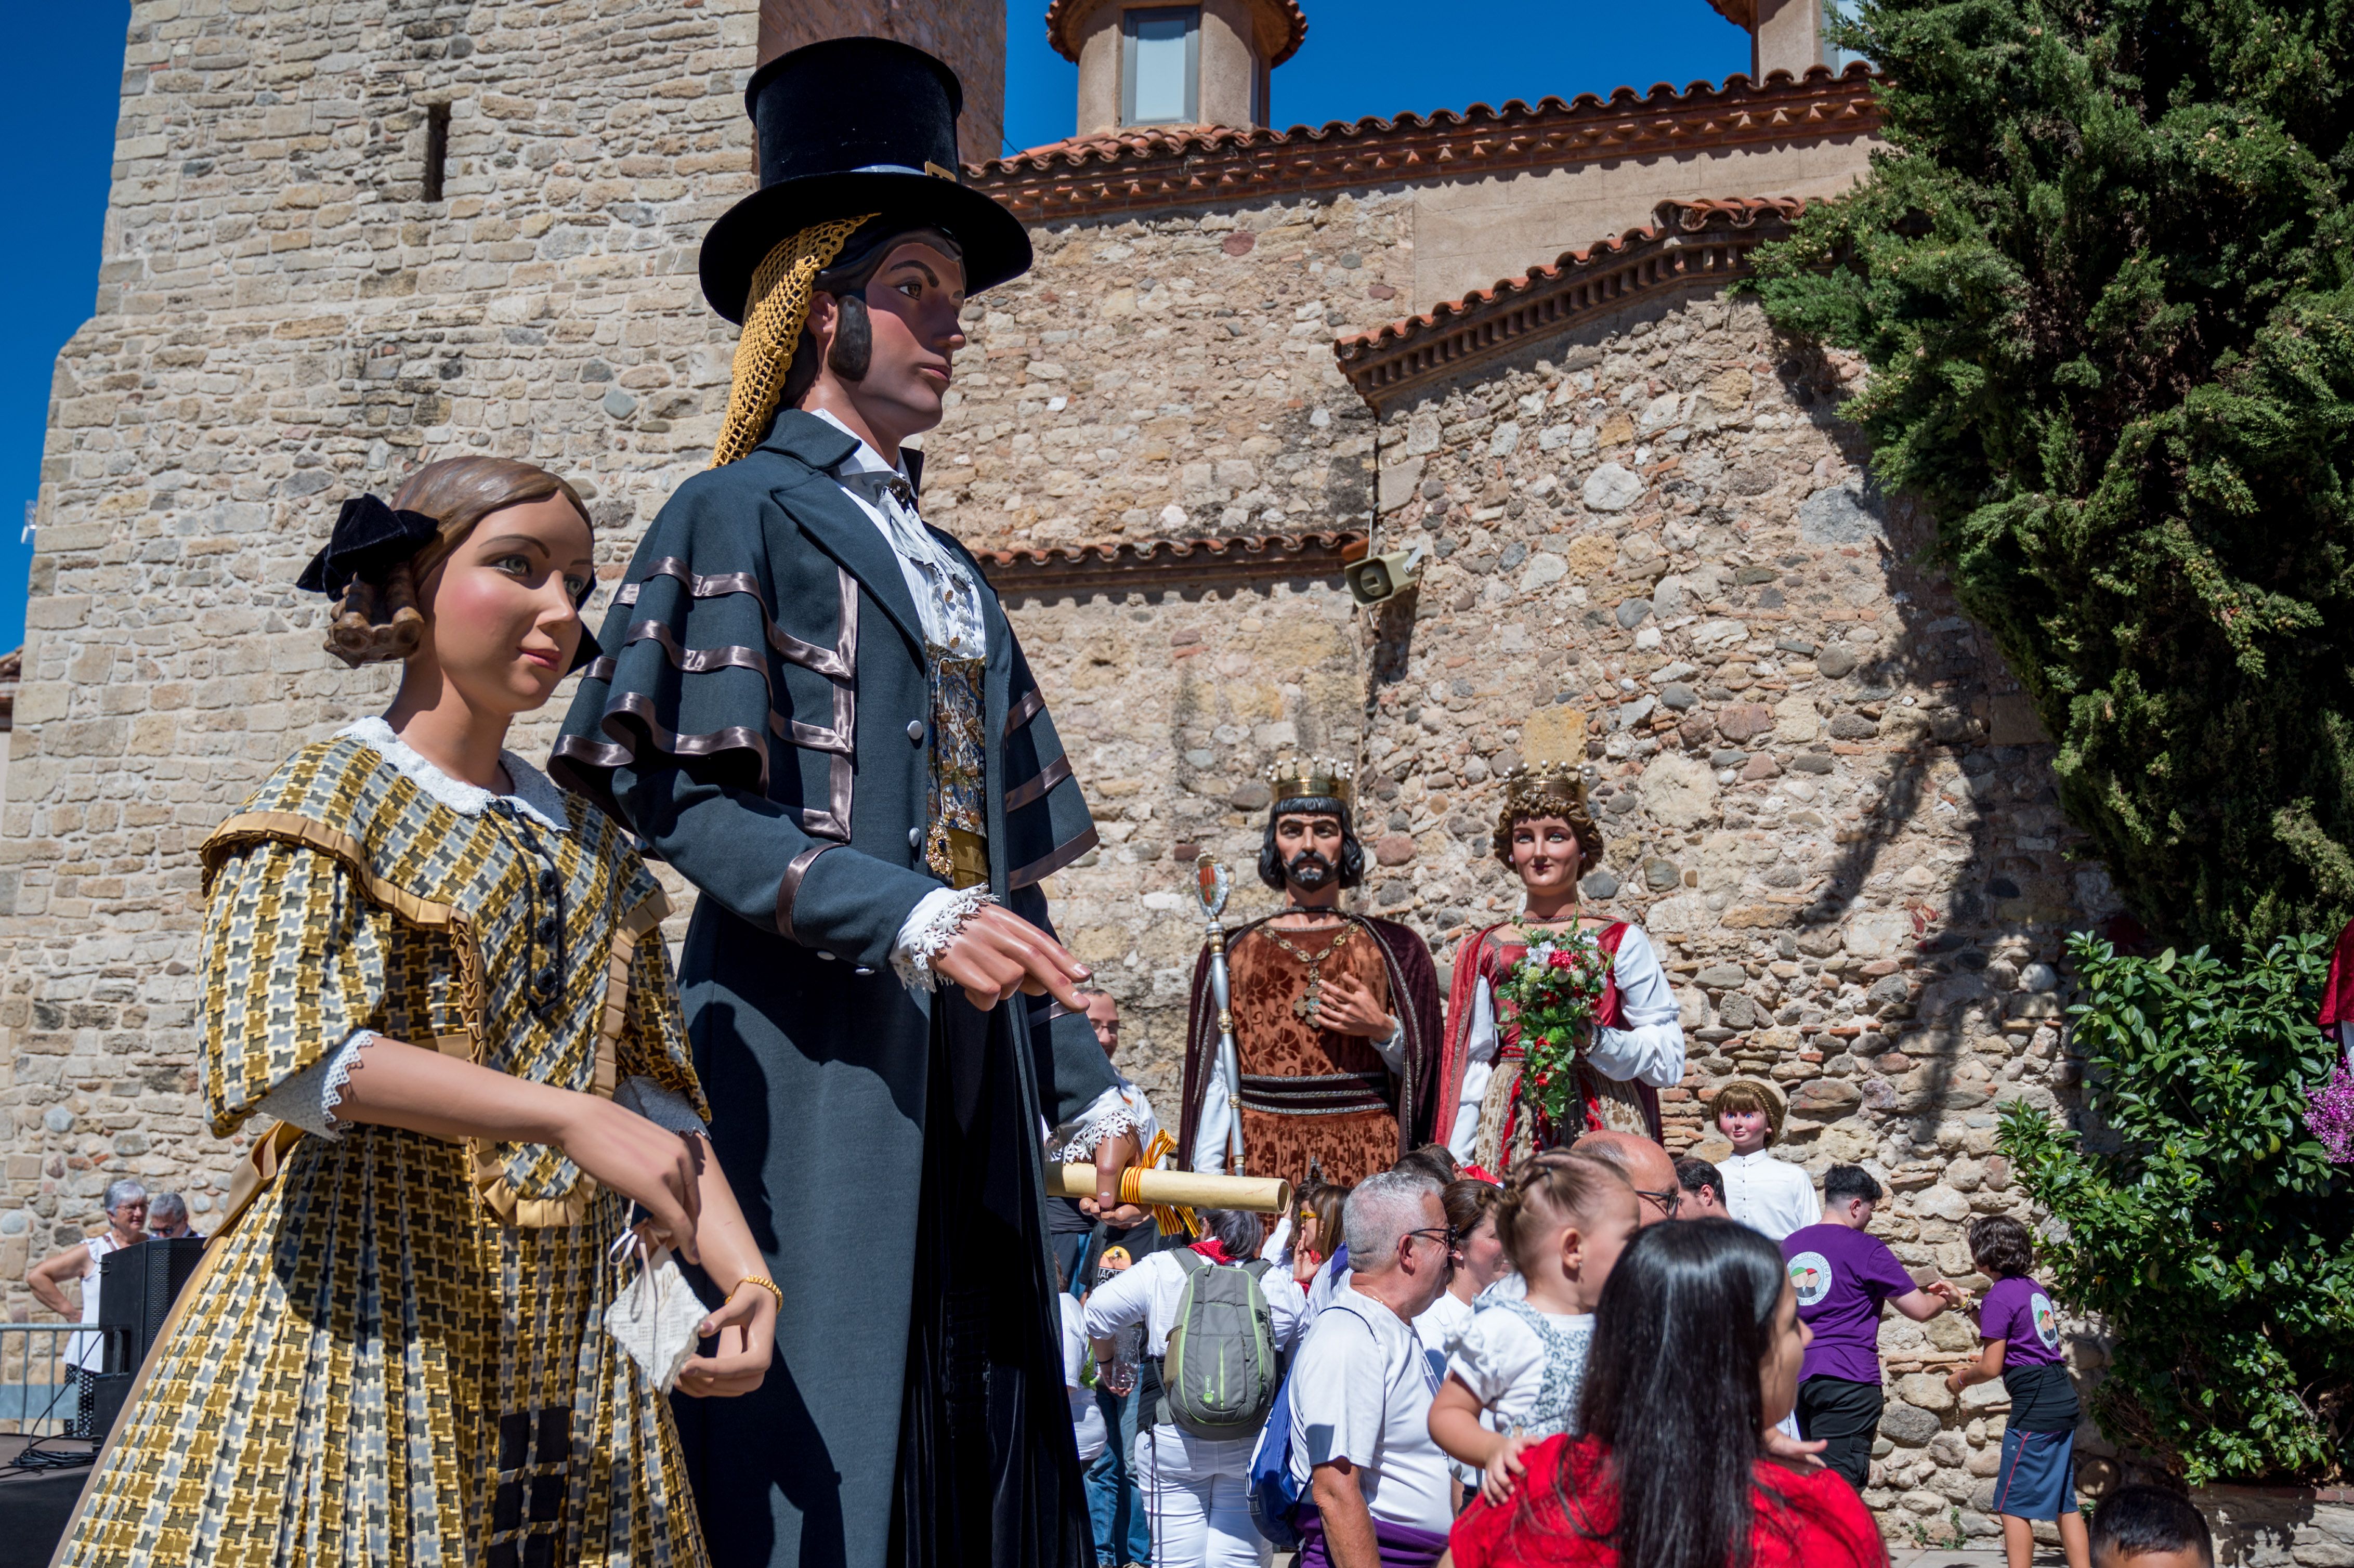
968,34
1146,63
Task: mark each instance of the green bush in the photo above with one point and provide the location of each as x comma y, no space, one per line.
2201,1220
2105,286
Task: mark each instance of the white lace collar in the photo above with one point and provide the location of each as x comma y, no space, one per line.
535,796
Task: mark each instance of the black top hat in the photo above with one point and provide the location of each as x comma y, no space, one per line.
853,125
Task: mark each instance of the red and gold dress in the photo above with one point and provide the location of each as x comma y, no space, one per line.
1638,1049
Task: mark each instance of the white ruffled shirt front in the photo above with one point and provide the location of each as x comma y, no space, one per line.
1649,1050
948,603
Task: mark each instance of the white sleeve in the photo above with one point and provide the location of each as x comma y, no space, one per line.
1798,1207
1391,1048
1125,1298
1121,1108
309,1098
1217,1115
1287,1306
1489,1356
1651,1049
1478,1068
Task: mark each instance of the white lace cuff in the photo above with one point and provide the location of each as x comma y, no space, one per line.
309,1098
663,1106
928,929
1120,1109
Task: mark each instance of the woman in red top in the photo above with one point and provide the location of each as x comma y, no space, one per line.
1695,1357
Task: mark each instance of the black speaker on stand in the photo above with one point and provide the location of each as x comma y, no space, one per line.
136,1288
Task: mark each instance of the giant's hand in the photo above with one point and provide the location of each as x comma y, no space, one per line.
1114,1155
747,1324
999,954
1347,1007
658,1168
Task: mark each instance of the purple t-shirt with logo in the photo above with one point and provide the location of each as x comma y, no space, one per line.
1842,1276
2018,1310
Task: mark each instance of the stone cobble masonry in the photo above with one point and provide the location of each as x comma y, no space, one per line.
1648,544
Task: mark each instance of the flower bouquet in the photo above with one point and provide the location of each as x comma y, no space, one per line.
1553,991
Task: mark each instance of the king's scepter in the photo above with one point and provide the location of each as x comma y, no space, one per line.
1210,886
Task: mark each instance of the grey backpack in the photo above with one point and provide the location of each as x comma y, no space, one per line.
1220,1376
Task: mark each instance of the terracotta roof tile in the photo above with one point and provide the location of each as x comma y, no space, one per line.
1062,13
1165,563
1687,244
1742,13
1173,166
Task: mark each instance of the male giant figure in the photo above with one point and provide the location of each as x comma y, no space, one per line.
1335,1015
816,710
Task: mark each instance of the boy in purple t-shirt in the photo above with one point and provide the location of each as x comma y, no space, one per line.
1842,1276
2037,1478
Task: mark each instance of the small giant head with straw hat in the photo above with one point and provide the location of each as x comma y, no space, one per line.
848,268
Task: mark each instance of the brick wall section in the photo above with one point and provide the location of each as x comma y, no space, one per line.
970,34
280,324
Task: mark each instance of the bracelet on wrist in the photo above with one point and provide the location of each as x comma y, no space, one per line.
765,1283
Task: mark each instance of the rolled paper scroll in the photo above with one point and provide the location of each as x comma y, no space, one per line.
1177,1189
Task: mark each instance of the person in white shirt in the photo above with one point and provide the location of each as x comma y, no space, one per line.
1086,1416
1196,1489
1362,1386
1516,1376
1762,1191
1480,1261
126,1213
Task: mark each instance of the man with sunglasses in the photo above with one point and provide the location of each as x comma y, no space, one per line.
1362,1386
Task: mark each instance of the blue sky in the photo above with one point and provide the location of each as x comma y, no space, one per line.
1362,57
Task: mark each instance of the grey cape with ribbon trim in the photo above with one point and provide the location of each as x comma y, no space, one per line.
762,723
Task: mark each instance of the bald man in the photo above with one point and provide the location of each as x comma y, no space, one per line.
1645,1165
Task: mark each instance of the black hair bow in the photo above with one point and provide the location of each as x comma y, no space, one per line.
369,539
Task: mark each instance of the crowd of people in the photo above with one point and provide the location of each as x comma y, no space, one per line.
1606,1357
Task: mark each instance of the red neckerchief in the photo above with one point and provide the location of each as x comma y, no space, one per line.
1213,1249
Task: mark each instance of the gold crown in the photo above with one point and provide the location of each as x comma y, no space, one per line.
1303,779
1559,781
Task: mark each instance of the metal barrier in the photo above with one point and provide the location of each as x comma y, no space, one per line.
36,1396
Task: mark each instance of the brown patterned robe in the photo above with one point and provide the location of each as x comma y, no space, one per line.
1272,1042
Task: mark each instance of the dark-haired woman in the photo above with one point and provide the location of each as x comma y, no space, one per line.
443,976
1695,1356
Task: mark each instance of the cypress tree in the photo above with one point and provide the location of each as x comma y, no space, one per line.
2104,286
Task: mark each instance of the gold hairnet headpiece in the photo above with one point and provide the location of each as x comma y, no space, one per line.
774,314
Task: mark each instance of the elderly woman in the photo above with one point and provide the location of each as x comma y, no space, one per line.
126,1219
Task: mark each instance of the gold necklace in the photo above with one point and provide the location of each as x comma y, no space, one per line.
1305,1005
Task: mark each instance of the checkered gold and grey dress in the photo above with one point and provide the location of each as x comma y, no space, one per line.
396,1355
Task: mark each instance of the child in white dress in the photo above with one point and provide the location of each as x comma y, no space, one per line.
1517,1372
